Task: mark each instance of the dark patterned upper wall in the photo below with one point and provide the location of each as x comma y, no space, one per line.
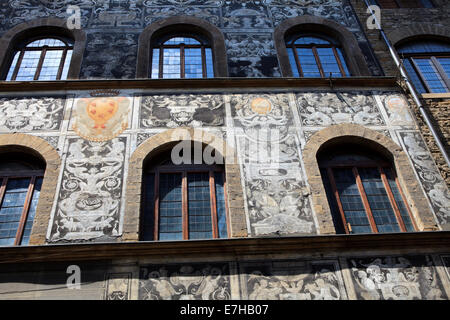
113,28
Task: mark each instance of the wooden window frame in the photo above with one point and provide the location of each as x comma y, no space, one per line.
181,47
411,57
33,175
314,47
381,166
43,50
185,170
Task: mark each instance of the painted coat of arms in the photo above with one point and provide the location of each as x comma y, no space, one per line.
102,117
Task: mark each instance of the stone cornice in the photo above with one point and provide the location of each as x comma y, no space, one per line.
216,83
329,245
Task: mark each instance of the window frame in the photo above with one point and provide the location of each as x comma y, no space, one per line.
21,49
314,47
400,5
33,175
436,64
182,46
381,166
185,170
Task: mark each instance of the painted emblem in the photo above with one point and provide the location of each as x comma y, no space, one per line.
261,106
101,118
398,109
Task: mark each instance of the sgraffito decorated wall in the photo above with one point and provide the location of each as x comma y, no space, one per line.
405,277
96,132
113,28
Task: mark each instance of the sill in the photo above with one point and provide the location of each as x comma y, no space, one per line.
380,243
436,95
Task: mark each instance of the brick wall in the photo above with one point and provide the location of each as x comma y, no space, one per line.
402,23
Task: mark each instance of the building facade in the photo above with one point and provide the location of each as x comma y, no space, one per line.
217,149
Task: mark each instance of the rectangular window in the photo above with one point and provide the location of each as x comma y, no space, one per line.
184,204
170,207
366,200
308,62
430,74
18,199
199,206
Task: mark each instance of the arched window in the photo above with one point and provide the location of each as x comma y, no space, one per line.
182,56
363,191
41,59
315,56
21,183
428,64
392,4
182,202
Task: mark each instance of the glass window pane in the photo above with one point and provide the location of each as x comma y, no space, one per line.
180,40
199,206
50,65
427,3
343,63
335,213
293,63
445,64
351,201
193,65
432,77
329,62
11,209
13,66
148,221
31,212
379,203
209,63
170,207
414,77
155,64
311,40
308,62
399,200
46,42
66,65
220,205
172,63
28,66
424,47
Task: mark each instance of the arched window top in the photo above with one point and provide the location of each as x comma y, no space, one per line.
17,161
309,40
49,42
424,46
349,154
179,40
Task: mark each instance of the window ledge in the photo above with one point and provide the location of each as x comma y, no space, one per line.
436,95
406,242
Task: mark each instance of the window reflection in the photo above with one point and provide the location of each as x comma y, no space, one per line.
41,59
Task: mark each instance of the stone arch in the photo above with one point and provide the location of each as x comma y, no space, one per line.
152,146
42,149
185,24
416,30
43,26
353,54
353,133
